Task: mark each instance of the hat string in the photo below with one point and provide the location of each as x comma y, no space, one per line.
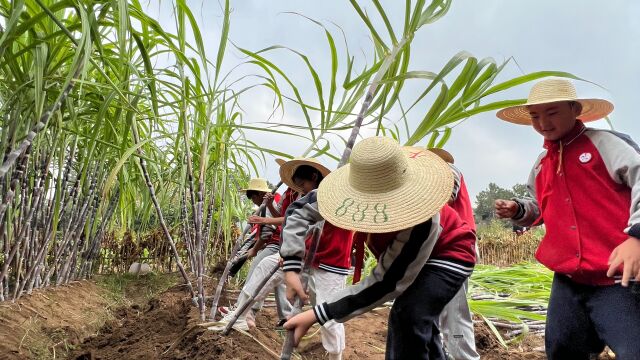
560,159
562,144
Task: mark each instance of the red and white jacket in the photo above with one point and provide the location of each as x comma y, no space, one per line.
451,248
462,202
401,256
334,248
283,203
586,190
270,234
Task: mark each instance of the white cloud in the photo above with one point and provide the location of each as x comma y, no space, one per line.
593,39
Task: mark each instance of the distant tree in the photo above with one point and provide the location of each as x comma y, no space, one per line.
520,190
485,199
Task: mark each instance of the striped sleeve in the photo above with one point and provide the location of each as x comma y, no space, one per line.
396,270
299,217
620,155
457,176
528,213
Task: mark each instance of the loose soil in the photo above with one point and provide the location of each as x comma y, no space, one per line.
149,333
80,321
48,323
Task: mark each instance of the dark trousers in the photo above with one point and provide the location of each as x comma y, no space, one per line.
581,319
413,320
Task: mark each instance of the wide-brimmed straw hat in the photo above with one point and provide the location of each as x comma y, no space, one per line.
443,154
385,188
556,90
288,168
257,184
280,161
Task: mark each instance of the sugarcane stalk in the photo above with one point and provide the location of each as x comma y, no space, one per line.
79,261
92,199
156,204
199,215
67,170
41,124
38,256
68,237
8,198
212,201
225,187
186,233
288,344
73,198
371,92
21,235
94,248
18,266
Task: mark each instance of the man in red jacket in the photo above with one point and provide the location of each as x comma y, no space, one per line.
585,187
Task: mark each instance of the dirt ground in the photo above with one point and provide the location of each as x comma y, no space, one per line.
49,322
151,332
80,322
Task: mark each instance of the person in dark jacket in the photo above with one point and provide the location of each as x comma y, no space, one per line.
400,203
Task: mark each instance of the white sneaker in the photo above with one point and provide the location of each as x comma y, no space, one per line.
240,324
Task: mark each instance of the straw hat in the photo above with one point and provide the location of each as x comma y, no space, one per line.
385,188
443,154
280,161
288,168
555,90
257,185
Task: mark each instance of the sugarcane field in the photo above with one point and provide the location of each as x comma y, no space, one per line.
362,179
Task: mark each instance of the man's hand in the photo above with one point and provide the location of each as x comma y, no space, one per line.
506,209
269,197
626,254
255,219
300,325
294,287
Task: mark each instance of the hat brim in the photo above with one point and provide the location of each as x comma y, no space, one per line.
592,110
428,187
256,189
443,154
288,168
280,161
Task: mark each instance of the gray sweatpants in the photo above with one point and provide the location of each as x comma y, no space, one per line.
456,326
282,305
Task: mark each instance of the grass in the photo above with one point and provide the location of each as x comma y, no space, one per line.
128,289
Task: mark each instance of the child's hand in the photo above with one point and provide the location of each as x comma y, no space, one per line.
294,287
255,219
300,325
506,209
626,254
252,252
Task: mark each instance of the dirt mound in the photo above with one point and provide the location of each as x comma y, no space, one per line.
490,348
140,331
150,332
49,322
56,322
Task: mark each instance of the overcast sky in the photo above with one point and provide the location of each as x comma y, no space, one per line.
595,40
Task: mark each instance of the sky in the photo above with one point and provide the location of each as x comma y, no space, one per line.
595,40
